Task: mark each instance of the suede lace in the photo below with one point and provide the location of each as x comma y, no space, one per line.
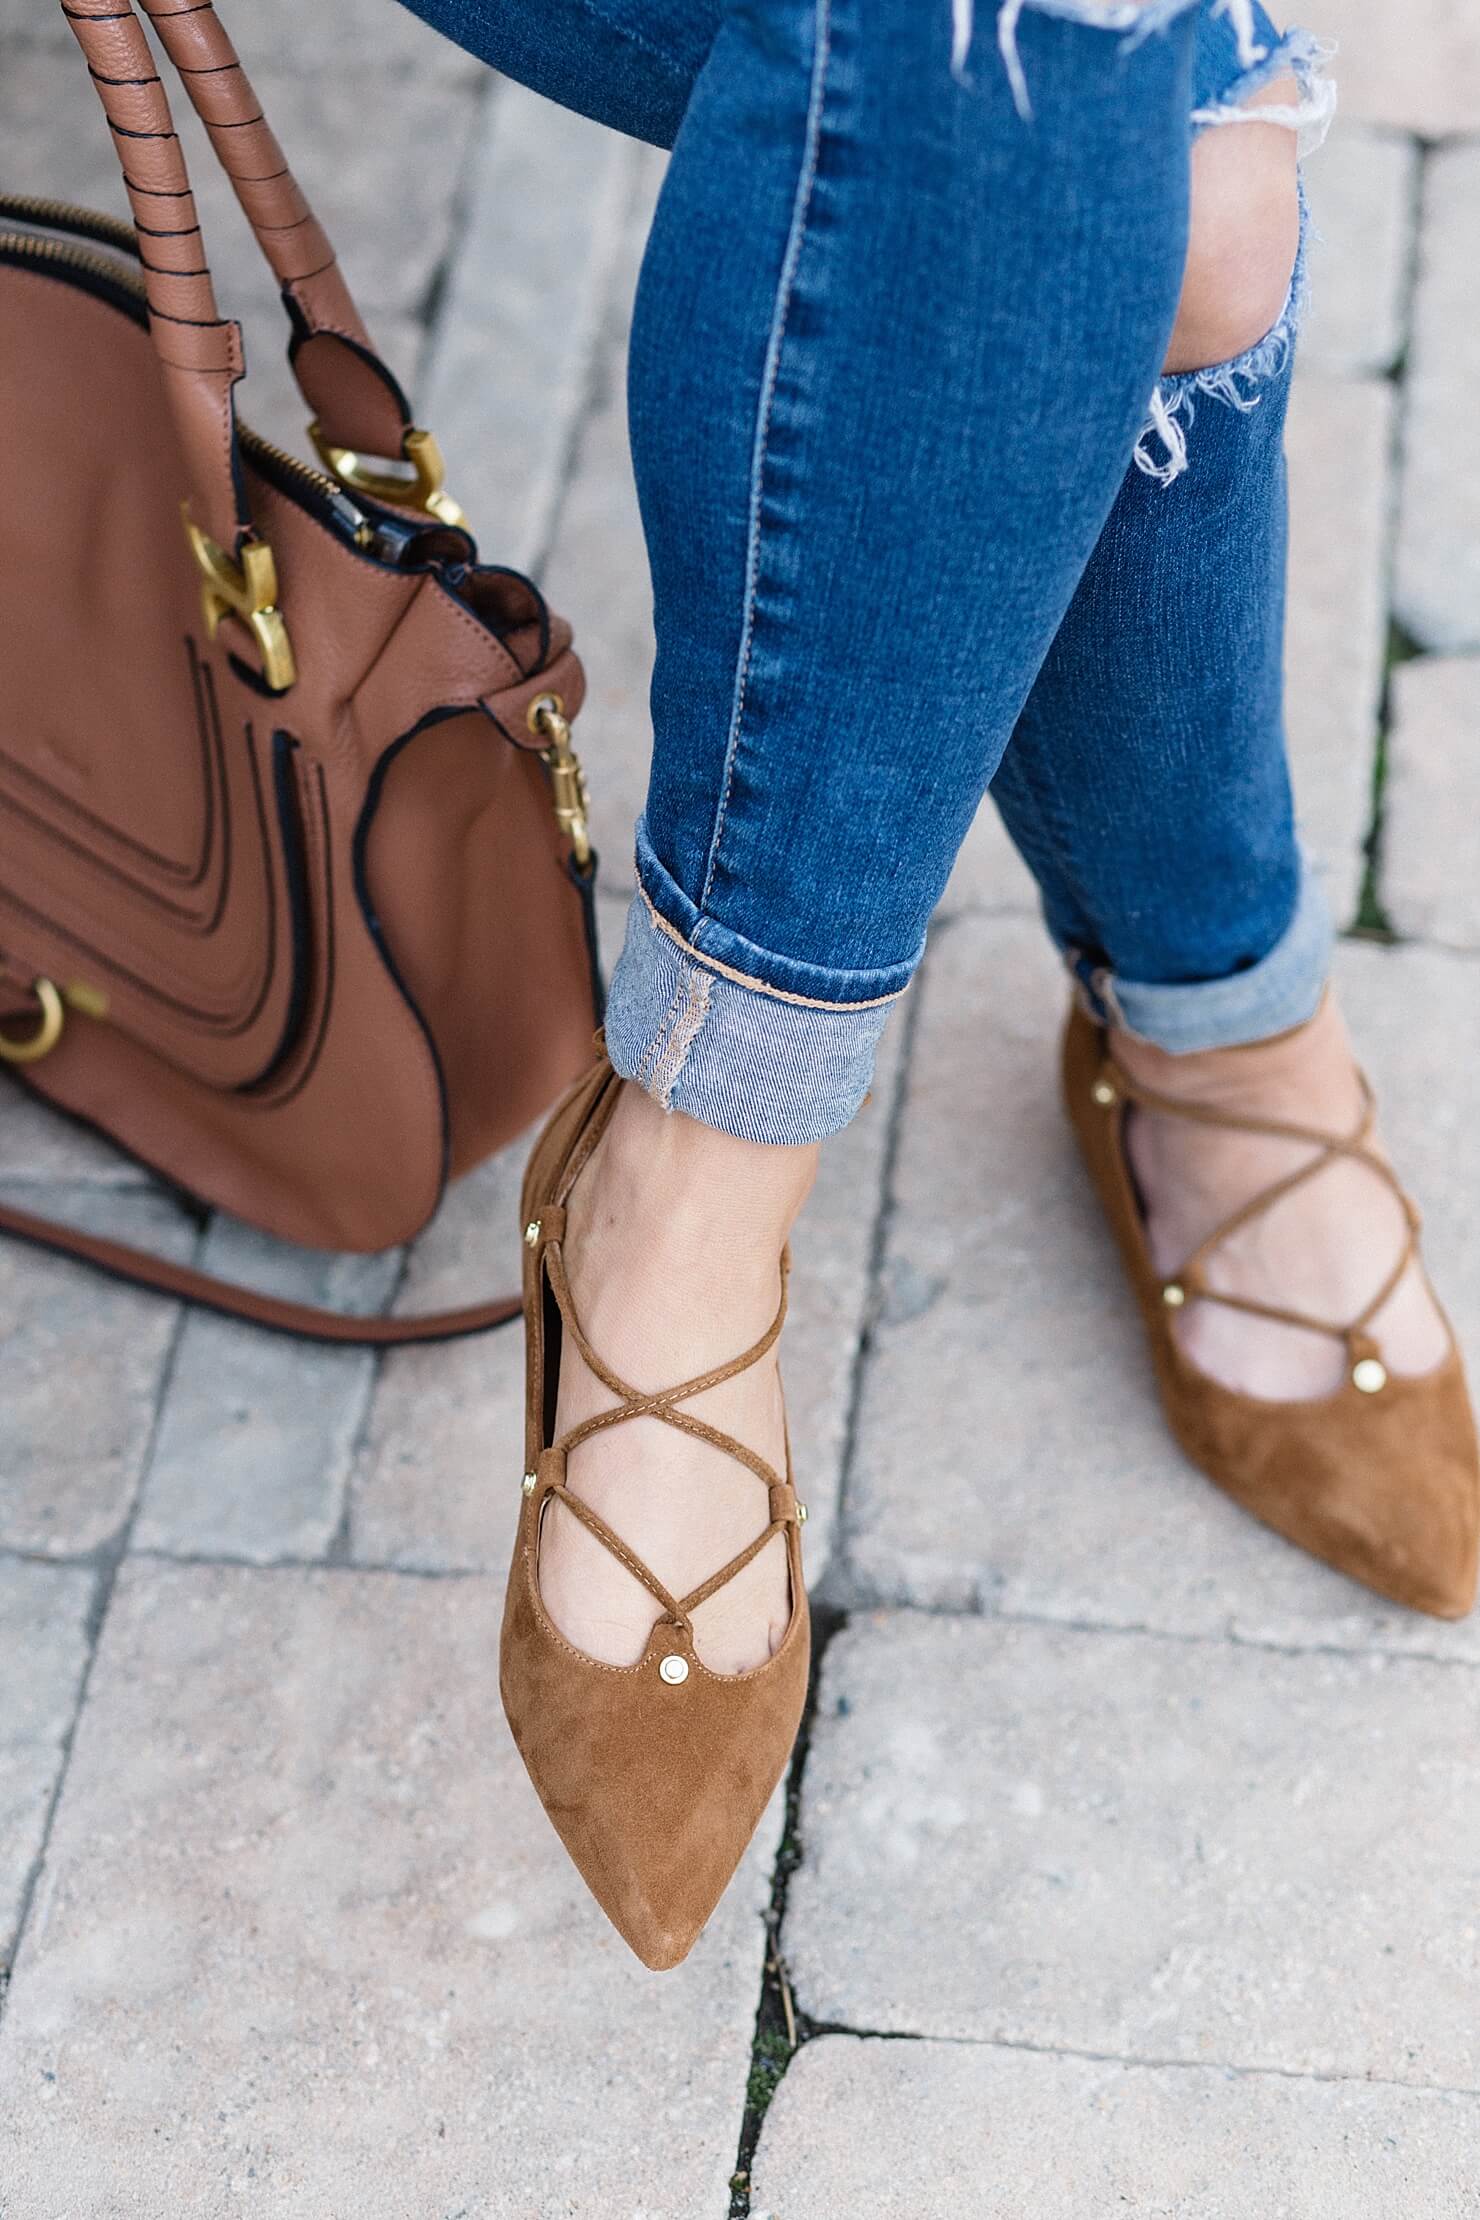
664,1404
1330,1148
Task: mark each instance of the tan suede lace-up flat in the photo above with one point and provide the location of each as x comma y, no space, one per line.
1381,1478
655,1775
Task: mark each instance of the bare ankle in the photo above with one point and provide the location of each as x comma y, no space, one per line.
1314,1059
662,1176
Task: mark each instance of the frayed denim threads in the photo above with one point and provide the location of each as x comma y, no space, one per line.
1237,384
1138,21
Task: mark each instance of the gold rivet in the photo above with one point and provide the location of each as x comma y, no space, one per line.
674,1670
801,1512
1173,1295
1103,1092
530,1482
531,1233
1369,1376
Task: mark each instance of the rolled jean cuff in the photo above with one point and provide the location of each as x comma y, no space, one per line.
761,1062
1279,992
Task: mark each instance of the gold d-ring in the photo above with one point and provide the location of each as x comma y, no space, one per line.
424,487
48,1032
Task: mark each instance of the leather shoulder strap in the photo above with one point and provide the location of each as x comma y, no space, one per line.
304,1320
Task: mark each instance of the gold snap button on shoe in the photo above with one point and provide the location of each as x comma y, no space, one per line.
1174,1295
674,1670
531,1233
801,1513
529,1483
1369,1375
1103,1092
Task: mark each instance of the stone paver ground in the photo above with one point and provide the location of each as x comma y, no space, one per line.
1131,1865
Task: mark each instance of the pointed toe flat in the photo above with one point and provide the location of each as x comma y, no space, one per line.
655,1775
1381,1478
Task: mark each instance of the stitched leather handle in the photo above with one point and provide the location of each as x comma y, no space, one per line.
303,1320
358,402
199,350
343,380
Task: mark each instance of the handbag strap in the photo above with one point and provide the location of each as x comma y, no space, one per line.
358,403
274,1312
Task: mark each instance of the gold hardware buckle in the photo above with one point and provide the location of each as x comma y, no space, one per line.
424,489
547,719
248,590
48,1032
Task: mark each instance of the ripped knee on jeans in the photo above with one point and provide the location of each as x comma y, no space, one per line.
1243,237
1243,291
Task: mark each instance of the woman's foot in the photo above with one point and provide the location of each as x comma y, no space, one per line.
1323,1250
673,1243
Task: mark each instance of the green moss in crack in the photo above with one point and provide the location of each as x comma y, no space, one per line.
769,2062
1372,921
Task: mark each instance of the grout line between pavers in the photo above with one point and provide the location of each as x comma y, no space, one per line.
431,311
859,1602
595,346
779,2030
107,1560
339,1550
1371,920
379,1570
884,1215
100,1559
1022,2046
855,1603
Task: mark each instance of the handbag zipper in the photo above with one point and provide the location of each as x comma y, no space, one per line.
65,215
328,494
387,537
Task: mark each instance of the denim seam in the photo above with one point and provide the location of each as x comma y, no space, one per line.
707,962
801,208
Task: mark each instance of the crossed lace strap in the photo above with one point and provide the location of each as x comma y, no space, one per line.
1191,1282
664,1404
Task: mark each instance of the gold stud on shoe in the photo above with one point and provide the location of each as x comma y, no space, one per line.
1380,1479
674,1670
801,1514
1103,1092
531,1233
529,1483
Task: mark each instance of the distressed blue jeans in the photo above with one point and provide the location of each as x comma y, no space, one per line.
924,518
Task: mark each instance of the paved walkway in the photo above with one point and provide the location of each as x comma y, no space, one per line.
1156,1842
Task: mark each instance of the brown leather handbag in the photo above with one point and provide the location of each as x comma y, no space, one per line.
296,895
